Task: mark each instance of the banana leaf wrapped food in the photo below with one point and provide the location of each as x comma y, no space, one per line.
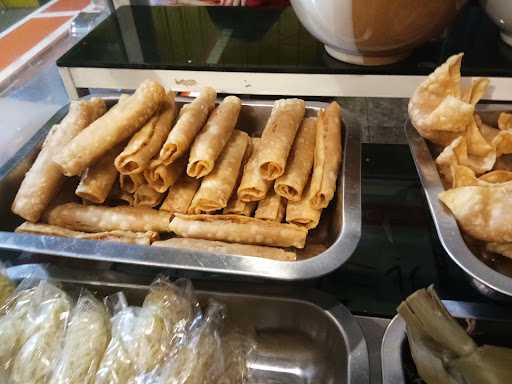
441,349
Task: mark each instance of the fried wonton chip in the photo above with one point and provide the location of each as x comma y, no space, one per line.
482,211
476,91
438,109
477,145
457,153
496,177
488,132
504,249
503,143
463,176
505,121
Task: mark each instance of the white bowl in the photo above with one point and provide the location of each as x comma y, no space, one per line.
374,32
500,11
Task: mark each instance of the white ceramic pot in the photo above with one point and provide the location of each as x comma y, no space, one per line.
374,32
500,12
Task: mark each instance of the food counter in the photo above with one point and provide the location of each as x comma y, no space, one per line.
312,309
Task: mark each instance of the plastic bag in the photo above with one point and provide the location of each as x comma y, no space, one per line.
142,337
237,344
43,329
85,341
116,366
7,287
198,359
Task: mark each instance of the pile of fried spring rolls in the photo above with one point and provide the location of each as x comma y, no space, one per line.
148,169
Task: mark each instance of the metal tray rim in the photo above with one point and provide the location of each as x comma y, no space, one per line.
357,351
446,225
325,262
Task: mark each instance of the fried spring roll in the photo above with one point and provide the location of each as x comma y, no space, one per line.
191,119
130,183
97,218
300,162
217,187
253,187
238,207
115,126
303,213
238,229
278,136
146,143
42,182
228,248
272,207
161,177
97,180
180,195
214,136
146,196
328,151
140,238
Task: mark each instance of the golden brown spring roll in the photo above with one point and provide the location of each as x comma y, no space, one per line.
238,229
278,136
214,136
328,150
180,195
228,248
302,213
140,238
115,126
300,162
42,182
97,180
238,207
253,187
191,119
146,196
272,207
98,218
130,183
146,143
216,188
161,177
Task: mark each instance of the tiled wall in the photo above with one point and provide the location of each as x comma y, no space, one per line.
381,119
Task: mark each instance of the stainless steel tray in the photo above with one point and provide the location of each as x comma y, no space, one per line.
338,232
493,326
302,337
487,280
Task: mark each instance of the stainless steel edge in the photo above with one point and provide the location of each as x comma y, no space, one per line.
348,206
446,225
396,334
355,343
391,352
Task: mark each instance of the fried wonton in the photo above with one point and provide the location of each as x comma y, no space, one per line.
482,211
457,153
505,121
463,176
438,108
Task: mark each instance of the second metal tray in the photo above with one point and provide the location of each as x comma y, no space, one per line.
487,280
302,337
330,245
